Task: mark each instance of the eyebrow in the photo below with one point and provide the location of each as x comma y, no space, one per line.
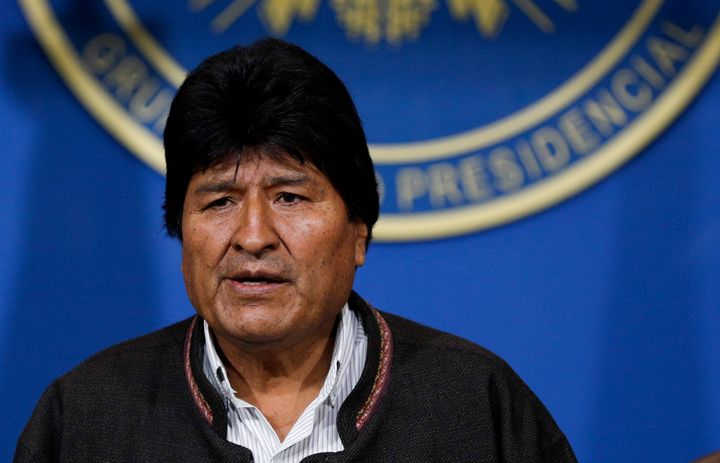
288,180
220,186
215,187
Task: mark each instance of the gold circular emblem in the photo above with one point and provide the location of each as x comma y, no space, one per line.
544,152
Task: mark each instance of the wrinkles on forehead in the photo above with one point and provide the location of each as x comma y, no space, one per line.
218,184
268,173
270,151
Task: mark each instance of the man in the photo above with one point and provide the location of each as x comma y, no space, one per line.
271,191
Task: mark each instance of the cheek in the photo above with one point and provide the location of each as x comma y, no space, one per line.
204,241
199,256
329,250
323,238
199,278
190,274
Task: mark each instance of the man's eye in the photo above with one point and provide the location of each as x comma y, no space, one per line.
288,198
218,203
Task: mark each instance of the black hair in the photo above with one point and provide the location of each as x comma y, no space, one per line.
273,98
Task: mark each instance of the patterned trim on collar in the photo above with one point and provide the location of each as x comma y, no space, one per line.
366,411
202,405
383,373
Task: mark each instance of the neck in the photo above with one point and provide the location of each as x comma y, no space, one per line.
254,368
280,381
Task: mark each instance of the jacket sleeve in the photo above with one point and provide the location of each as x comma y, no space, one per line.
40,440
527,431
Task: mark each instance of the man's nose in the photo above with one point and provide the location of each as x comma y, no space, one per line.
255,232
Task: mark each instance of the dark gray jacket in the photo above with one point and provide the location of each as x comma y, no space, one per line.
423,396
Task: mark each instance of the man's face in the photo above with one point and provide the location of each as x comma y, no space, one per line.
269,253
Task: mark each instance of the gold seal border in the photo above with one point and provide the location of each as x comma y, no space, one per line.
452,145
417,226
139,140
613,154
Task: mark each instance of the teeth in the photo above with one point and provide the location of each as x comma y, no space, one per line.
255,281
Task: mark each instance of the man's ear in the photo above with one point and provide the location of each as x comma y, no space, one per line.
361,234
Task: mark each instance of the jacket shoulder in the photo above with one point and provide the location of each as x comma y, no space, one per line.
134,365
167,337
129,379
474,393
416,336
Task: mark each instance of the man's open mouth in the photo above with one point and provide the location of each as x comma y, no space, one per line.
258,278
256,281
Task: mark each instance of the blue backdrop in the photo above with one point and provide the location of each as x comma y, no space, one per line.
605,301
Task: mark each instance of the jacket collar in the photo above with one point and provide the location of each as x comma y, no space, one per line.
357,410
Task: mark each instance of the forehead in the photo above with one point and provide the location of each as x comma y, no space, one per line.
260,166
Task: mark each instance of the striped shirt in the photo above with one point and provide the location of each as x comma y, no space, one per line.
315,431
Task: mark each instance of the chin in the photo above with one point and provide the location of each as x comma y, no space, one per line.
252,331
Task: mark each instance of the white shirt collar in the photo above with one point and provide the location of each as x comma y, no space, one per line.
342,352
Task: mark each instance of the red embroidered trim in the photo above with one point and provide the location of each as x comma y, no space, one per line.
194,390
368,409
382,376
